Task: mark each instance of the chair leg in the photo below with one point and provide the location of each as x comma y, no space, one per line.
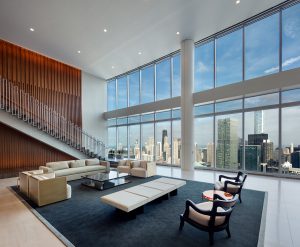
211,238
181,222
240,197
228,231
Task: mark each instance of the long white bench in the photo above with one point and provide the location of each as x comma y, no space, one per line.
135,197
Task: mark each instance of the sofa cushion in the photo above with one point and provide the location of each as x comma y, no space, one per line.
59,165
71,171
123,163
92,162
135,164
77,163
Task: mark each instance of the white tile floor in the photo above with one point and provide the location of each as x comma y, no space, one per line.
283,218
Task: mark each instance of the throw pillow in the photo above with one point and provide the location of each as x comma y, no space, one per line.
92,162
77,163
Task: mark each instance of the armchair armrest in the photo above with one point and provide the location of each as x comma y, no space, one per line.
106,164
226,177
46,169
151,169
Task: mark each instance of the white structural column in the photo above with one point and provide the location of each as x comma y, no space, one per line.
187,107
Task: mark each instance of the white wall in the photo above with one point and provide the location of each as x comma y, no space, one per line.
93,105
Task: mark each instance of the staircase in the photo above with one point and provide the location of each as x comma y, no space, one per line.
28,109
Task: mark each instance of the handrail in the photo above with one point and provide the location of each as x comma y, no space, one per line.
29,109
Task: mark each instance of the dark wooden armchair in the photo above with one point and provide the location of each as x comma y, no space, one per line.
232,185
209,216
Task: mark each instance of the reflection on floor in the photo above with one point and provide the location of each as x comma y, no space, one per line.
19,227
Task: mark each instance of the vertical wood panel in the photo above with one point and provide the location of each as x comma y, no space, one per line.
51,82
17,151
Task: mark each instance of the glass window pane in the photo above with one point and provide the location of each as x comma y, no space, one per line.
261,141
291,137
291,37
122,92
176,86
134,141
163,80
122,120
147,85
290,96
112,139
203,109
262,100
163,143
204,67
111,122
134,119
229,105
134,88
163,115
176,113
229,62
148,142
204,142
228,141
111,95
122,151
176,145
147,117
262,47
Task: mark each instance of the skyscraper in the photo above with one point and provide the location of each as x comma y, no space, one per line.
252,157
164,139
295,158
227,144
258,122
267,151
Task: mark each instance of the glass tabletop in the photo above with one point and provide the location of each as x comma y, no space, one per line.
101,177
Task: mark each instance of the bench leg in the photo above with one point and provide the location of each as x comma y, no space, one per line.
173,193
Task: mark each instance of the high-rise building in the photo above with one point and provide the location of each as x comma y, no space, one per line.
257,139
227,144
258,122
267,151
176,151
210,154
252,157
164,139
295,158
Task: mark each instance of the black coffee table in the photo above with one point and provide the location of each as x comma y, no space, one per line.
103,181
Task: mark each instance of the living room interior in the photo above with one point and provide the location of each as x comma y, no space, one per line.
155,123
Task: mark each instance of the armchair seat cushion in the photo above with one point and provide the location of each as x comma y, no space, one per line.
123,169
231,188
138,172
203,219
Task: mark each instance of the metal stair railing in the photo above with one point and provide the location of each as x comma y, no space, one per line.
27,108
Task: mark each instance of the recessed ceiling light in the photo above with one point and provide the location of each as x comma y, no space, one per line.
78,52
237,1
31,29
112,67
177,33
105,30
140,53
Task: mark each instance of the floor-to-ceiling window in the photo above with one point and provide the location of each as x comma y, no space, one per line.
248,131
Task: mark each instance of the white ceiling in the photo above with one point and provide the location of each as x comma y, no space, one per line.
62,27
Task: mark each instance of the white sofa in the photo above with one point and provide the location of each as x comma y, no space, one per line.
75,169
137,168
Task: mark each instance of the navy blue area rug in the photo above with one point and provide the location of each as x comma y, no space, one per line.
85,221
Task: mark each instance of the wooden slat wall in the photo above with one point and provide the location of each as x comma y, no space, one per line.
53,83
20,152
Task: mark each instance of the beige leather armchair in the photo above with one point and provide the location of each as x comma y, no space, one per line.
44,190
